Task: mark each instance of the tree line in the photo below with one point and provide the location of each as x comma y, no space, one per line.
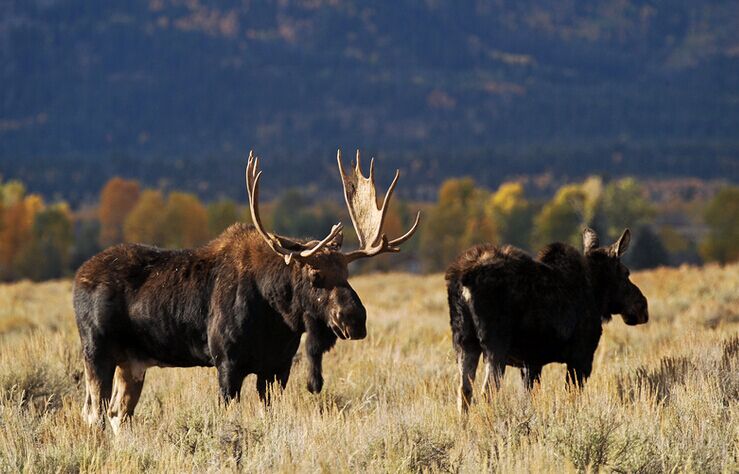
40,240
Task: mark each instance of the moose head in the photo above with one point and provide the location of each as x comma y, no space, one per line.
611,279
320,268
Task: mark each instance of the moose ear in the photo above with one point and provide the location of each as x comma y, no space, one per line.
622,244
589,240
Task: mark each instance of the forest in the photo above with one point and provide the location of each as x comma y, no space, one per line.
42,240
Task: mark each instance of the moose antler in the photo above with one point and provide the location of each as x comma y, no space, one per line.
276,242
368,219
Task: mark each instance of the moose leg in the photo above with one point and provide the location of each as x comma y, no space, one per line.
230,379
127,384
467,361
284,375
266,385
314,355
531,374
577,375
495,349
494,370
98,385
318,341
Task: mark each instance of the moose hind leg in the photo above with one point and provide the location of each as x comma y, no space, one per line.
531,375
467,361
494,370
577,375
98,386
127,384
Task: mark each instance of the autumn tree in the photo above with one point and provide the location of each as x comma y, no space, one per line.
185,221
624,204
562,218
454,223
221,214
293,214
117,199
18,214
48,252
680,248
511,214
722,218
145,222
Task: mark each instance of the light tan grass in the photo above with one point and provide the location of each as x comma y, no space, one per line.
663,397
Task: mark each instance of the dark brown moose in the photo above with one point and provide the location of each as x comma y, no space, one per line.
239,303
524,312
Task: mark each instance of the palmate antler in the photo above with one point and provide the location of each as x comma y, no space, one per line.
277,242
368,219
360,196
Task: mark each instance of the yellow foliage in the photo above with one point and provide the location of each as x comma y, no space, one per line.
117,199
507,198
144,223
185,221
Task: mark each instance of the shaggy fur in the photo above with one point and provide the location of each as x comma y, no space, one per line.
527,312
233,304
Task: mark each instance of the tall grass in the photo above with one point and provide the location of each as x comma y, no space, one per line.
663,397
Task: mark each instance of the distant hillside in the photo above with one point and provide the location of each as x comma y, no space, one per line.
628,86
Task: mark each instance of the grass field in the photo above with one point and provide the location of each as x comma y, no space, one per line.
664,397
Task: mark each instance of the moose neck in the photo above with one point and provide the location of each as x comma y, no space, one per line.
598,286
281,287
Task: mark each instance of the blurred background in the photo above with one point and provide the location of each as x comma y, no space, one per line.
511,121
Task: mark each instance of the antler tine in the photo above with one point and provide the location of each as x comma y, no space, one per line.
335,230
407,235
252,186
369,218
389,194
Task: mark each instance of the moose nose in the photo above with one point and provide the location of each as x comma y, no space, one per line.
356,323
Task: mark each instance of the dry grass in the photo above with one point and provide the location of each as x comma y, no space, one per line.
663,397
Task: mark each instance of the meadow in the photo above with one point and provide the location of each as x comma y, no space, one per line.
664,397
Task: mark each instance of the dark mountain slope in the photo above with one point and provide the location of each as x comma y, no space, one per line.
82,81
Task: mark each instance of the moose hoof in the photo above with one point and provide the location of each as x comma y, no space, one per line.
315,384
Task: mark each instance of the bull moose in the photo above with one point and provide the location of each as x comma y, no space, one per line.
239,303
528,312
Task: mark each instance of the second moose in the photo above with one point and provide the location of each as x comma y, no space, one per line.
527,312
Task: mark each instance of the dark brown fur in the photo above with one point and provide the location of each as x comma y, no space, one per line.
525,312
233,304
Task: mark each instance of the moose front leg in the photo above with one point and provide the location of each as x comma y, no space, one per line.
318,341
314,354
230,379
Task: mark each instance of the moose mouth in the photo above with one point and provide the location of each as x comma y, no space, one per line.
636,318
344,332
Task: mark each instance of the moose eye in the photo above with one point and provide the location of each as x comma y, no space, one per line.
316,279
